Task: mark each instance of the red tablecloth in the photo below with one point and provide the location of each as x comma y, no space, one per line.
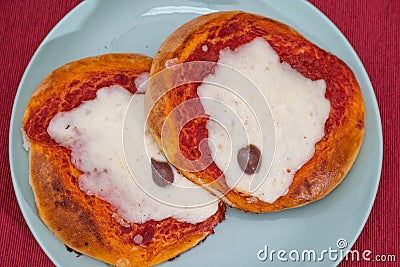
372,27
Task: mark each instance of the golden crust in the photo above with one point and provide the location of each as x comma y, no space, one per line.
344,129
85,223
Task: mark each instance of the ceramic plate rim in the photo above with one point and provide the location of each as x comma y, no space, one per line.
12,139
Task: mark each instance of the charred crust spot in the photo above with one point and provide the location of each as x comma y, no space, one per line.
78,254
302,191
57,185
86,219
62,204
360,124
174,258
307,186
324,165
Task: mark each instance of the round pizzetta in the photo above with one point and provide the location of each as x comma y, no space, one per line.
90,222
311,98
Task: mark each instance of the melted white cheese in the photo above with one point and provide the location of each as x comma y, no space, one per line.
282,113
94,133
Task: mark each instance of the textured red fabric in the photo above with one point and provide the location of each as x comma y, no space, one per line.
372,27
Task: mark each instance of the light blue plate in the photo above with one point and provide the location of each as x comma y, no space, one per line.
97,27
